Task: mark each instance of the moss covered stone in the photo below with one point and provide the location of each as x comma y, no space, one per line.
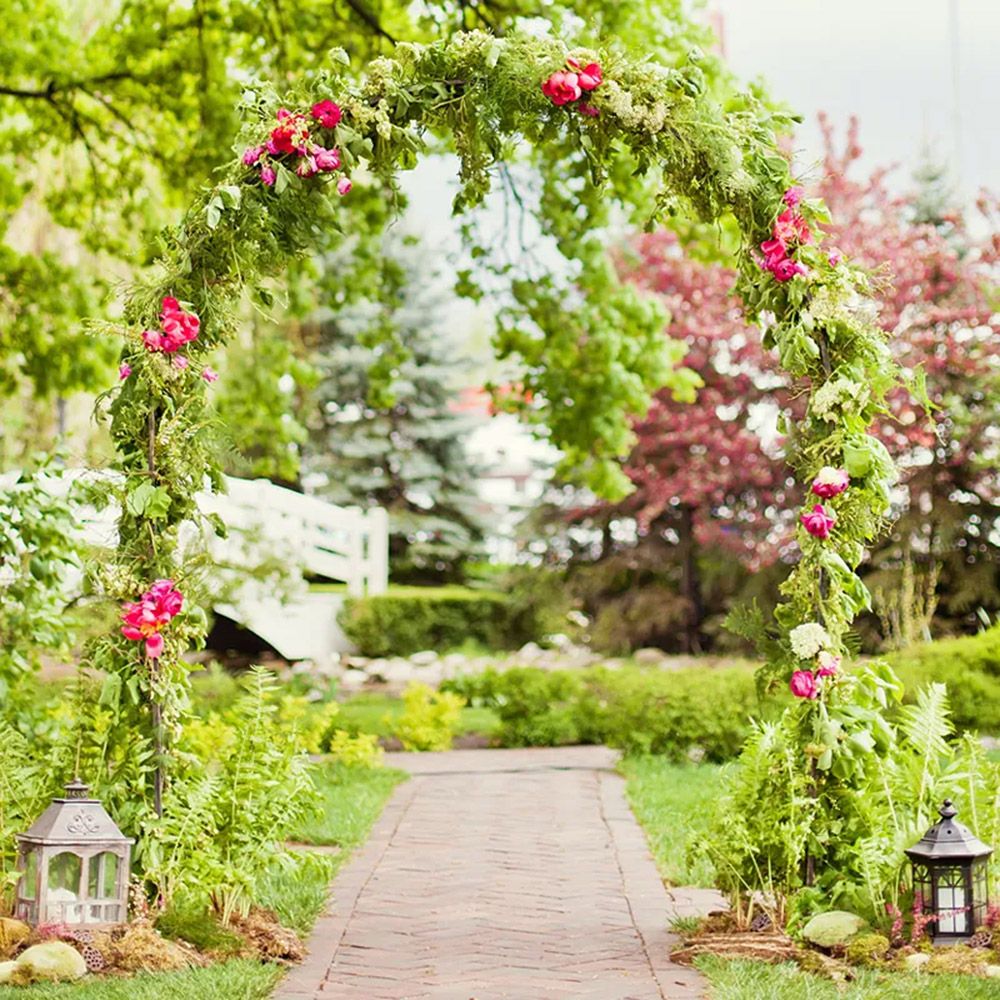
867,949
833,929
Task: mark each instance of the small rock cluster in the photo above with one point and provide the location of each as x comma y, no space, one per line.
430,667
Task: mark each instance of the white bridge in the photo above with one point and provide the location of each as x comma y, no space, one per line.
276,538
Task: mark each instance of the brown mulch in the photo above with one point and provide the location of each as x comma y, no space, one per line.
771,946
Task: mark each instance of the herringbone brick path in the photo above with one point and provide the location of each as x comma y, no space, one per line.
501,875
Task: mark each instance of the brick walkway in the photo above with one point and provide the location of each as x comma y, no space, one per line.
501,875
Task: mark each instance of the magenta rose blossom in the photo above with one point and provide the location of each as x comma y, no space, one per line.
562,88
326,159
252,155
834,257
124,371
803,684
817,522
268,176
785,270
344,186
830,482
828,663
590,76
327,113
210,375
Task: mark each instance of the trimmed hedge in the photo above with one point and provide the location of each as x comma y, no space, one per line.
409,619
969,666
635,709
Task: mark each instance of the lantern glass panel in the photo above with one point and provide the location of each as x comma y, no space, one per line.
102,882
64,873
30,880
952,902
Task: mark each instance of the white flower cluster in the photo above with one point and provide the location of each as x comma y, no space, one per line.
839,393
808,639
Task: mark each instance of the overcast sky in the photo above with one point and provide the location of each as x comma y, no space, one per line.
891,63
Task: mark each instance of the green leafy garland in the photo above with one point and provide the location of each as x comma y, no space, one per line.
583,377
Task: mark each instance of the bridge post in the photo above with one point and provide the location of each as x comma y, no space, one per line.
378,550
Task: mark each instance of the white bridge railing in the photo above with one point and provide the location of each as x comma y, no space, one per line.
340,543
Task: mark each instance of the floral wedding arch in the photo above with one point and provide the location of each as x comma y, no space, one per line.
618,117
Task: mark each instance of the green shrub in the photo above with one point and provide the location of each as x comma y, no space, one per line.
415,618
429,719
637,710
968,666
537,707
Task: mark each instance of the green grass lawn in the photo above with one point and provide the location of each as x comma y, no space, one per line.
672,803
742,980
366,713
352,801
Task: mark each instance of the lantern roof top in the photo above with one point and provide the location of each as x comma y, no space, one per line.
948,840
75,819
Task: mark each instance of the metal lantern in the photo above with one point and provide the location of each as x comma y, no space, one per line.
949,874
74,864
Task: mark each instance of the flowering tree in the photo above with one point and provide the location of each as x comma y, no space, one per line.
702,477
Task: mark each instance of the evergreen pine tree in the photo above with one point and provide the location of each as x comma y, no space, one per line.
402,449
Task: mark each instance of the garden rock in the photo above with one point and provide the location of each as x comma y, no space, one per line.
6,971
914,963
833,929
649,656
992,972
528,652
398,672
12,933
52,960
424,658
353,679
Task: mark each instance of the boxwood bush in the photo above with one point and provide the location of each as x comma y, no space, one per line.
408,619
635,709
969,666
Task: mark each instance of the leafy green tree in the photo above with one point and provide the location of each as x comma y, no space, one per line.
401,449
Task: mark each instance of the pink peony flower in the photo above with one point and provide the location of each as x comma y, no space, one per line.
268,176
790,227
829,663
252,154
154,646
834,257
180,362
210,375
326,159
327,113
829,482
143,619
785,270
562,88
803,684
793,196
344,186
153,340
817,522
591,77
587,109
124,370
